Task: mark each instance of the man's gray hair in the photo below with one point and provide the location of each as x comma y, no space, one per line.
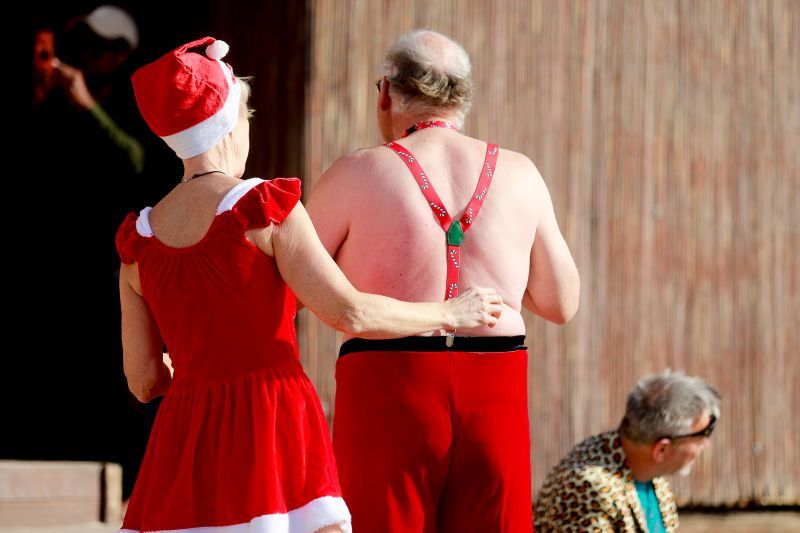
428,73
663,405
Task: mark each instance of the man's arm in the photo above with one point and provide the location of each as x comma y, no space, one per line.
553,282
329,205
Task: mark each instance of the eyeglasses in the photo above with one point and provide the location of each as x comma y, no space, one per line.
705,432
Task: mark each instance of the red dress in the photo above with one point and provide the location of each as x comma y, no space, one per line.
240,443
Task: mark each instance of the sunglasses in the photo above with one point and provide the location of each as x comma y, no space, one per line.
705,432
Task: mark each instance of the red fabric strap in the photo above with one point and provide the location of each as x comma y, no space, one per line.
455,235
428,124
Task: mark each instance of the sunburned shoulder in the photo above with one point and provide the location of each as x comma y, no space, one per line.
520,164
358,164
367,156
516,157
517,173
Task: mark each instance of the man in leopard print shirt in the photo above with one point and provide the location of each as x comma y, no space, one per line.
614,481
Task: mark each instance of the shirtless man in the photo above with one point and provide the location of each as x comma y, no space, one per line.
431,433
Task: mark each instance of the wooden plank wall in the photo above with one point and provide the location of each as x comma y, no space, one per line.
669,135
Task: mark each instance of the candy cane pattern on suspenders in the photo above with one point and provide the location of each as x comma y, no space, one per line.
454,229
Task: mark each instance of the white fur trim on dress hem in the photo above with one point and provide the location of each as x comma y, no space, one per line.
201,137
316,514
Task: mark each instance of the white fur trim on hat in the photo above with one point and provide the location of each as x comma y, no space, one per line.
203,136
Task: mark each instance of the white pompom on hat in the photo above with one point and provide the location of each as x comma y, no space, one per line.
189,97
217,49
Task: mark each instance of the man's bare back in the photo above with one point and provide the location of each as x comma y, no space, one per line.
372,217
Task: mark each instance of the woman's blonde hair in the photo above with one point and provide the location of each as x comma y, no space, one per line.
244,94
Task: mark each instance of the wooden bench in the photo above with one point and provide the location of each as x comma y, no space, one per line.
59,493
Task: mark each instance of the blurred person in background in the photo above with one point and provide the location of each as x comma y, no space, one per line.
80,69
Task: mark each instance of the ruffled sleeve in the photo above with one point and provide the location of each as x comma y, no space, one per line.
128,240
268,202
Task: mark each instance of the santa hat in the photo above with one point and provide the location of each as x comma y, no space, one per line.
189,97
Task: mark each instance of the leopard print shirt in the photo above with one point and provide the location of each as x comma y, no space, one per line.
591,490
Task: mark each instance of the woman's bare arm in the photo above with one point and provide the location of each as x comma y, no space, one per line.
142,347
315,278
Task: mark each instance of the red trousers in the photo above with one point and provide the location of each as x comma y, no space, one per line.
434,441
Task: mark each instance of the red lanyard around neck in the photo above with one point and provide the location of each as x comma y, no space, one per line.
421,125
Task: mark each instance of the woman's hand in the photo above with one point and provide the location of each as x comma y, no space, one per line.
476,307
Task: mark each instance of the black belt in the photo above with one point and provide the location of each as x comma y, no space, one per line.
435,344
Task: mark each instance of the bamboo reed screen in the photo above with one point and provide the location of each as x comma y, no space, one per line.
669,136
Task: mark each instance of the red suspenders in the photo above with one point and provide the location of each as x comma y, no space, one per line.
454,229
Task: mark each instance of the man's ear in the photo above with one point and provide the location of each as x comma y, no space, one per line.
384,99
659,450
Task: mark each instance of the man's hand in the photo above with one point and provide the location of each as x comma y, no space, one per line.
72,81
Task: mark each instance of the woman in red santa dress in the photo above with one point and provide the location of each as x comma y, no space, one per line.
240,443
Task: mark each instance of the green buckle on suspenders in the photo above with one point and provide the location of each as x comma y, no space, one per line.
455,235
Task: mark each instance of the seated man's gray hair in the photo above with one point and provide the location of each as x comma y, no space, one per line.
430,73
664,405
